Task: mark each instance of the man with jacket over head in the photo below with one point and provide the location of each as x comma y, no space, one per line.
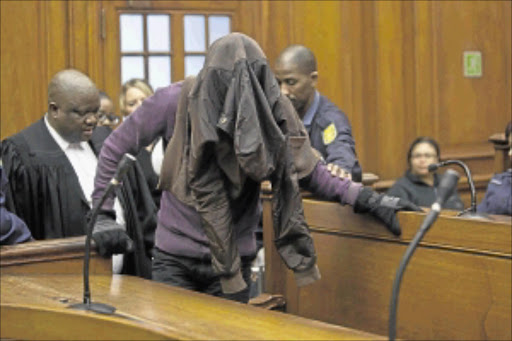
228,130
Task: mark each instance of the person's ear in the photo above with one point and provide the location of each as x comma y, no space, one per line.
314,77
52,109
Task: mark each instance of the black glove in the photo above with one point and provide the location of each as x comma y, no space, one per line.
383,207
110,237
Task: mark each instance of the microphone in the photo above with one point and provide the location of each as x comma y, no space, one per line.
471,211
122,168
445,189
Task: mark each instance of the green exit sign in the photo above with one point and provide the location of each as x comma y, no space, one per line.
472,64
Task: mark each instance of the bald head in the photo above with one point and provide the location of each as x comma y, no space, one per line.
73,103
296,72
69,83
298,56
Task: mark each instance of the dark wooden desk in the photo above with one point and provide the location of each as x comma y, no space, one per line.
35,307
457,285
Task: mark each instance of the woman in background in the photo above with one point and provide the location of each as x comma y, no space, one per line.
418,185
498,197
133,93
106,116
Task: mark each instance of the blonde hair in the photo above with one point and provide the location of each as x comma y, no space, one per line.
133,83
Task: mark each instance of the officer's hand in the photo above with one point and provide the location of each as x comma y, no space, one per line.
338,171
110,237
383,207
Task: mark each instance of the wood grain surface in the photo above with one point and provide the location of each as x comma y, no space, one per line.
457,285
35,307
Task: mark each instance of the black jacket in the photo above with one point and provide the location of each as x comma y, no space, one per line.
410,187
44,190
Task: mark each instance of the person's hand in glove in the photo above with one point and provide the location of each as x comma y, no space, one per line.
383,207
110,237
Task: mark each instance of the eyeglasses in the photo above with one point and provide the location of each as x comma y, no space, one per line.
424,155
111,118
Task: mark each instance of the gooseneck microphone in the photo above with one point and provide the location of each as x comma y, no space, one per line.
471,211
445,190
122,168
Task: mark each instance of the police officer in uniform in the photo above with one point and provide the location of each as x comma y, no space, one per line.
329,128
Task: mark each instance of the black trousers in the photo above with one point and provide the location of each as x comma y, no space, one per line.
197,274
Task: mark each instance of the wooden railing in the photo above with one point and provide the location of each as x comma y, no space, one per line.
56,256
501,148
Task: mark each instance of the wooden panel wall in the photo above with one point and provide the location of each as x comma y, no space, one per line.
40,38
54,35
21,71
395,67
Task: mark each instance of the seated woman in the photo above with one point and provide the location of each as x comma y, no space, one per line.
498,197
418,185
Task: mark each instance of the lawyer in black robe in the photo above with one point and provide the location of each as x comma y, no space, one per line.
45,192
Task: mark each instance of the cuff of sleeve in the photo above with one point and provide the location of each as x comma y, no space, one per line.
353,193
231,285
108,205
307,277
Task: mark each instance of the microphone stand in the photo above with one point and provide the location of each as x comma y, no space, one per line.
470,212
400,272
446,188
87,304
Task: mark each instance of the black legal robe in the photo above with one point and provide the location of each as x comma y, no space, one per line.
45,192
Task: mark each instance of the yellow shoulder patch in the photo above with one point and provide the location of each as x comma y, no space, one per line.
329,134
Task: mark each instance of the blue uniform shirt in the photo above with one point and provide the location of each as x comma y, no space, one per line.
498,197
330,133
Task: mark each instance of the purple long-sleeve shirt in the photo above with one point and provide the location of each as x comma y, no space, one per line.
179,230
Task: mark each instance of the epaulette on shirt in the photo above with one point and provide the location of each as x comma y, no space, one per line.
496,182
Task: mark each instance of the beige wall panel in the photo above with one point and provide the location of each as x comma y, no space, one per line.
366,123
111,45
279,28
22,96
355,71
470,109
427,115
56,39
190,5
79,22
391,115
317,24
253,25
95,43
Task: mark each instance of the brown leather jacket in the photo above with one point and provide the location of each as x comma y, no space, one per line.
234,130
